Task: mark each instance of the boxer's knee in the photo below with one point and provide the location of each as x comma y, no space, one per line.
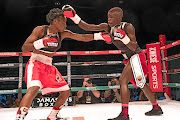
123,81
65,93
33,91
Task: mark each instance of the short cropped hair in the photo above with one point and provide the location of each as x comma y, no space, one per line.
53,14
116,9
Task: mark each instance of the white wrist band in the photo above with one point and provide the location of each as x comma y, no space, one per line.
97,36
126,40
76,19
38,44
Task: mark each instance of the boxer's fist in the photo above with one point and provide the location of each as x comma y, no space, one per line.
50,40
119,33
103,36
68,11
107,37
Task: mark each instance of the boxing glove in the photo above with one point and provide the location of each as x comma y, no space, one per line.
104,36
69,12
47,41
120,34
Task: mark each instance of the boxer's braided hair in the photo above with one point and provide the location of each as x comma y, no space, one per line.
53,14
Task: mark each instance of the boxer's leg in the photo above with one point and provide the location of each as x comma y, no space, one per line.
26,102
156,110
125,77
59,104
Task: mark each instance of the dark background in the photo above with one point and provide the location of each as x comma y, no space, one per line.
149,17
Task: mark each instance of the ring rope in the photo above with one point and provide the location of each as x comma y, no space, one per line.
72,76
172,57
177,85
14,65
172,71
89,63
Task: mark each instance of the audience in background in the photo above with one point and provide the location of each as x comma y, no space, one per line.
83,97
103,99
88,97
76,100
113,94
1,102
9,102
16,103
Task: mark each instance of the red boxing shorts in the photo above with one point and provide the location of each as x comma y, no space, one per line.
40,72
139,68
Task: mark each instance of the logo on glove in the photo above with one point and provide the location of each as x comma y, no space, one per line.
50,44
51,40
119,33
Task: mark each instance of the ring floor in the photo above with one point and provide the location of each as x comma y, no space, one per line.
101,111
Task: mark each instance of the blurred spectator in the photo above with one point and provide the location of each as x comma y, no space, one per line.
92,96
1,102
114,94
134,94
103,99
16,103
76,100
9,102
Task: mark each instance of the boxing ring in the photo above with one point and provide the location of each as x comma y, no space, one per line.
101,111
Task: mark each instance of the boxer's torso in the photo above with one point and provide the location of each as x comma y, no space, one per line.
126,52
50,50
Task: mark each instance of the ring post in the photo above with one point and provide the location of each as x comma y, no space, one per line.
69,68
154,67
20,75
162,40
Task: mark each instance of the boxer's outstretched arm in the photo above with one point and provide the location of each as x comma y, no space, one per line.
78,37
86,37
92,27
69,12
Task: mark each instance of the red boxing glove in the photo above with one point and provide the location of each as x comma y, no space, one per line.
50,40
68,11
120,33
107,37
104,36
